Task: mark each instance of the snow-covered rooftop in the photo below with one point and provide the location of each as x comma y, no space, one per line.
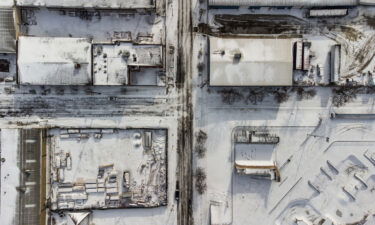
54,61
7,31
105,4
112,62
283,2
251,62
6,3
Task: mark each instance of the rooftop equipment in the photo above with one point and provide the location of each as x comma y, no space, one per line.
327,12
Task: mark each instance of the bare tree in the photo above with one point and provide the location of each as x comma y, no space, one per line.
200,180
281,95
343,95
255,95
230,96
305,93
200,148
200,66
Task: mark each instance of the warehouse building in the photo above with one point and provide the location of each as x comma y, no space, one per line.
288,3
127,64
251,62
76,61
54,61
98,4
7,31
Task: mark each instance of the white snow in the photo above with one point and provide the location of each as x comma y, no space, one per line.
54,61
303,127
6,3
297,3
123,150
10,176
113,63
262,62
100,25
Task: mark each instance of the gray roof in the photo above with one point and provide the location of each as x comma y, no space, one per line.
7,31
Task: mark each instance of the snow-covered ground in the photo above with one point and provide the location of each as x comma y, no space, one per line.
95,161
354,33
326,175
160,215
10,175
144,26
309,137
303,141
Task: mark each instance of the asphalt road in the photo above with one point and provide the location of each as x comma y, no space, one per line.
185,136
79,101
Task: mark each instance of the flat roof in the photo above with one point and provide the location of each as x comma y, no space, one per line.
262,62
54,61
112,62
7,31
104,4
6,3
284,2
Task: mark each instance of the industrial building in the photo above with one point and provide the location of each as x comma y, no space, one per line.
7,31
118,64
254,153
251,62
54,61
98,4
287,3
71,61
